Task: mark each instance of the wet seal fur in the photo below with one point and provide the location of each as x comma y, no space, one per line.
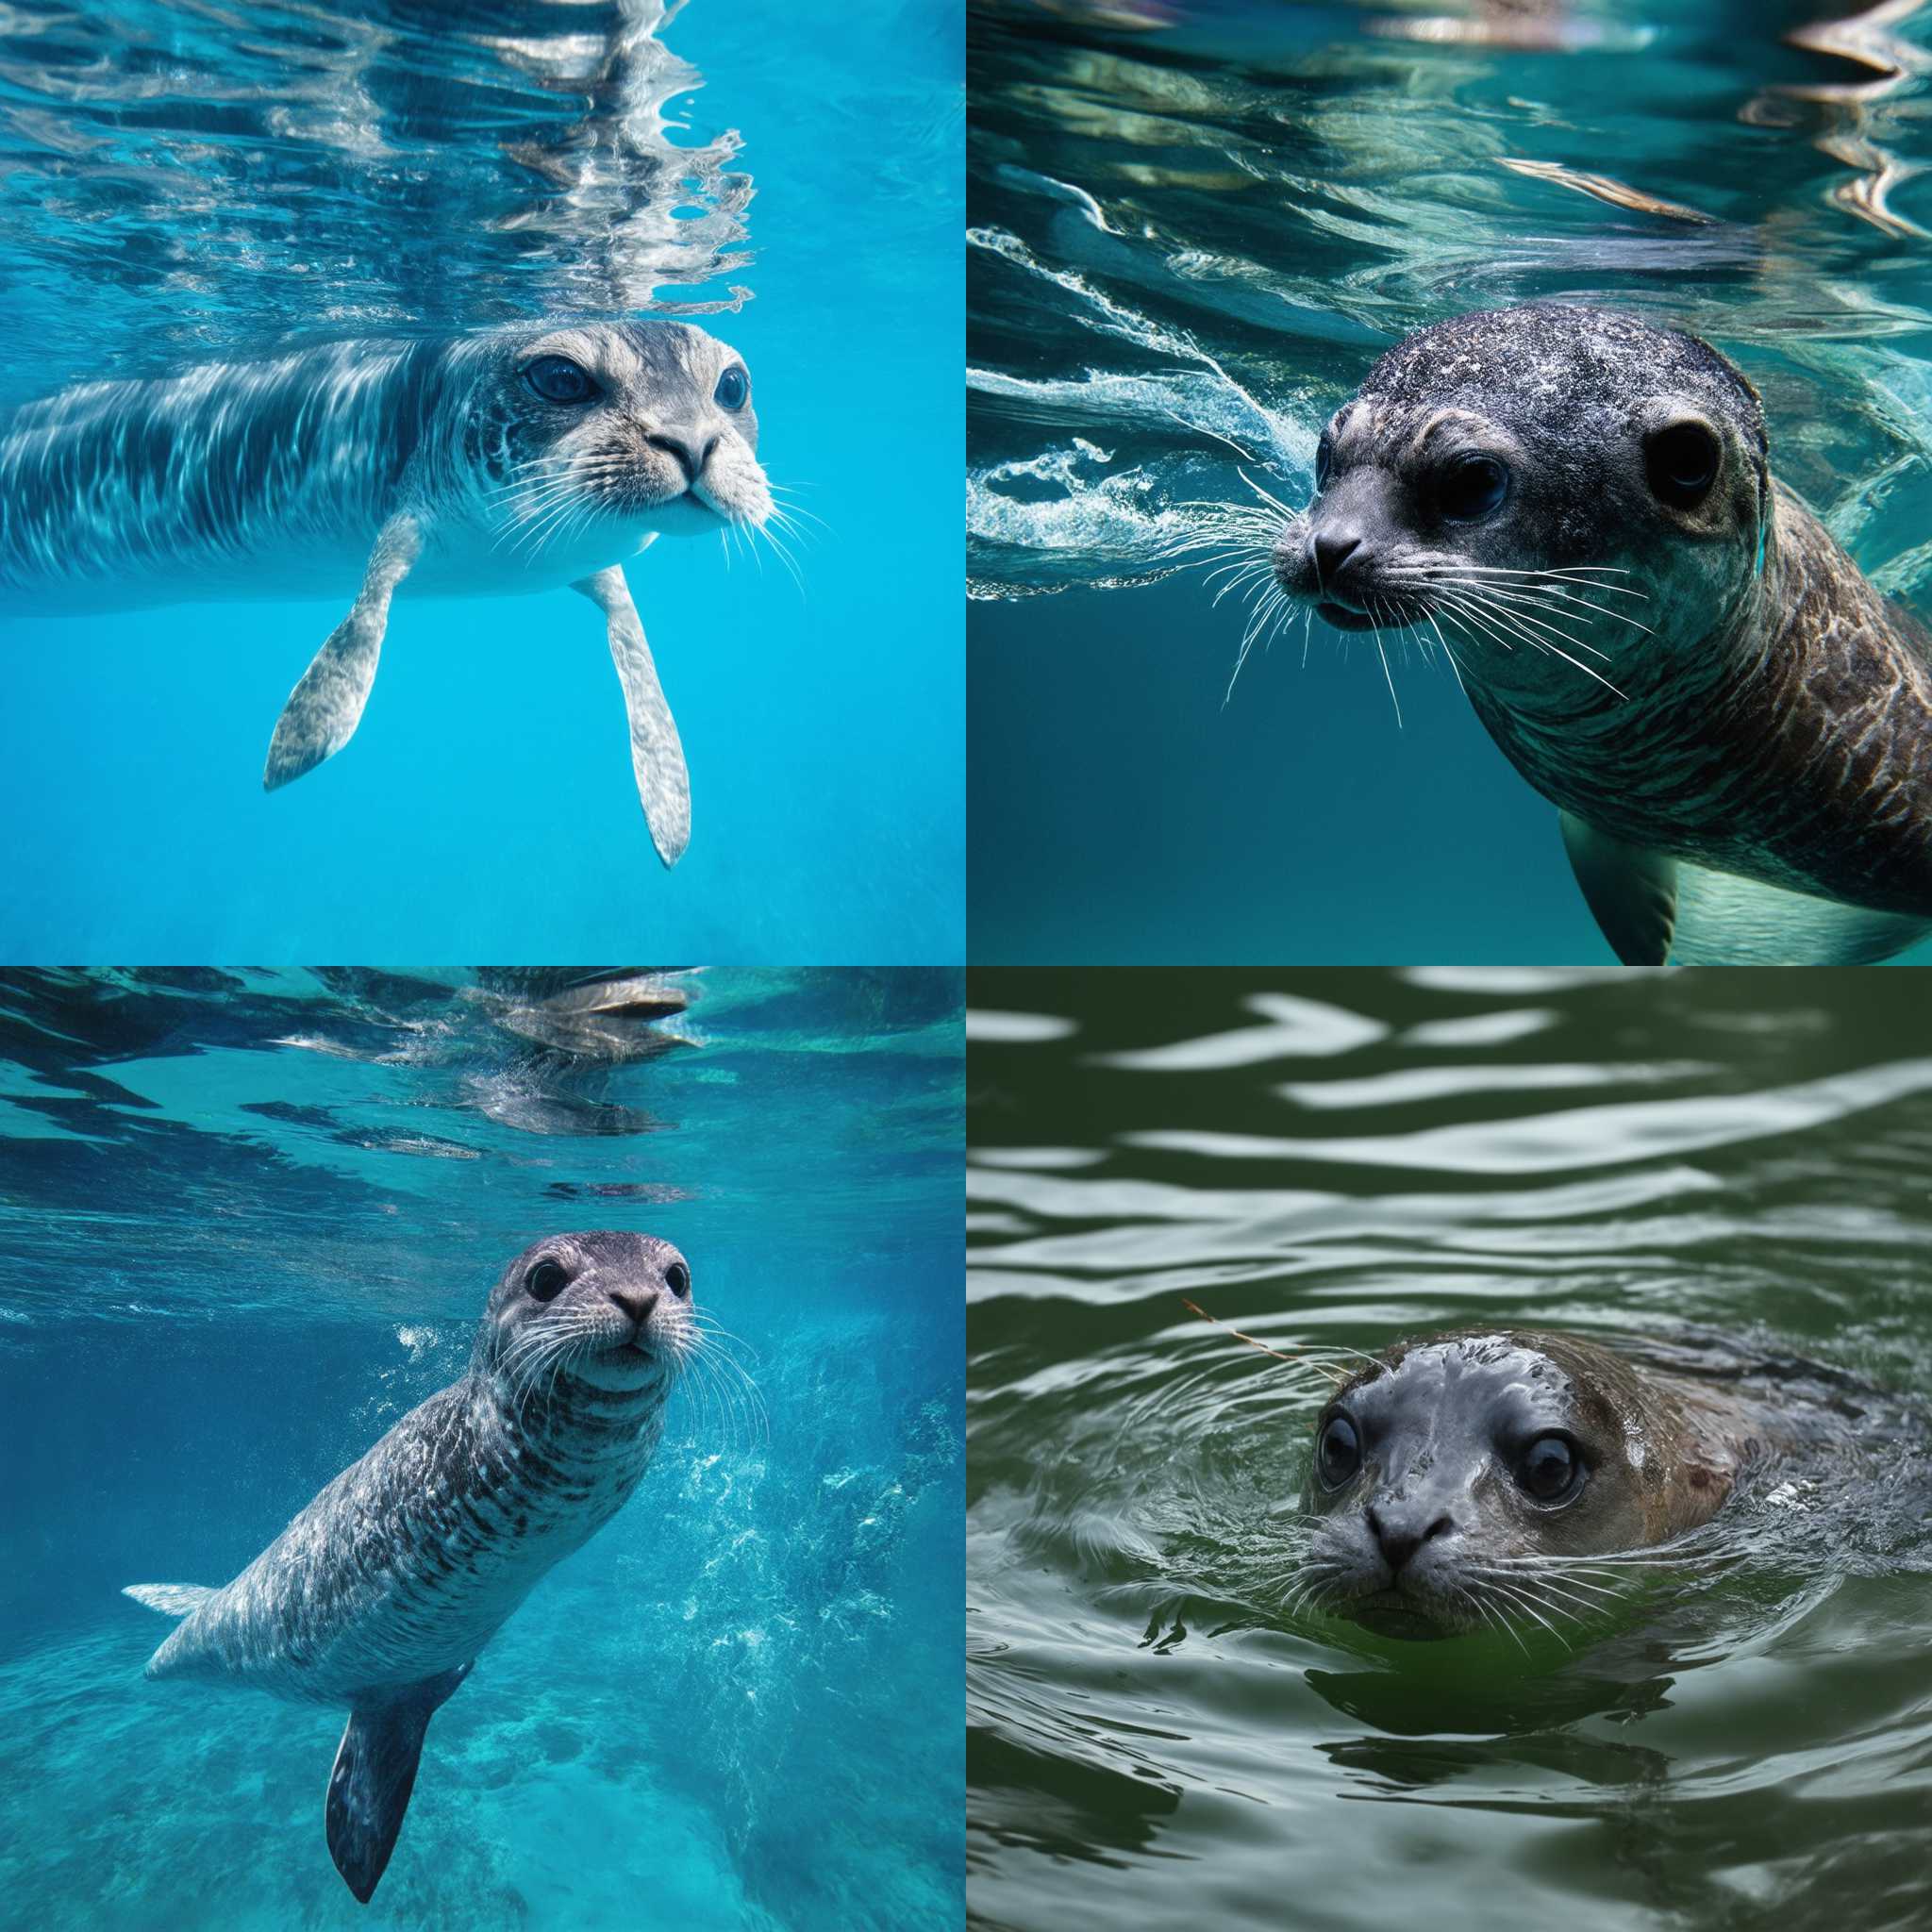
382,1591
1735,726
386,469
1440,1516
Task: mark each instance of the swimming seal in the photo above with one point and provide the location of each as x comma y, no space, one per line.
1736,728
1455,1478
498,461
380,1594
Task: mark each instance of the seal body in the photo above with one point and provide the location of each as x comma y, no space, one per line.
1480,1475
499,461
383,1590
1662,639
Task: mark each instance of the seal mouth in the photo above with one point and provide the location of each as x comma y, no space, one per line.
1389,613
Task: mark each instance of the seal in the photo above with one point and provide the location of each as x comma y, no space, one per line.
489,464
1735,726
1477,1476
382,1591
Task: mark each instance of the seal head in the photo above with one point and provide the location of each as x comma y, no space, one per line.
602,432
1452,1467
608,1312
1552,438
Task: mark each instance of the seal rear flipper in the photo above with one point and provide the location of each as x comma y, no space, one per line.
375,1772
1631,890
656,756
171,1599
326,703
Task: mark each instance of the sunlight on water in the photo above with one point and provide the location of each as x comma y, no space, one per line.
251,1220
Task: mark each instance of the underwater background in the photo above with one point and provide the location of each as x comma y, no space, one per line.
1192,226
249,1220
1332,1161
182,184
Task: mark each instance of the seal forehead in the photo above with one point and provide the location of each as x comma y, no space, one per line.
1560,367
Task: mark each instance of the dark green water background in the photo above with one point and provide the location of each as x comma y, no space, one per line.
1334,1160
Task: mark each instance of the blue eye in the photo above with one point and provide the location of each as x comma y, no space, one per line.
733,391
558,379
1472,487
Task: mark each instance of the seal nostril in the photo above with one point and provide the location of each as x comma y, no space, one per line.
1330,553
1399,1543
682,453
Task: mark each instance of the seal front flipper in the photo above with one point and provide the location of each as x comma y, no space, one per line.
1631,891
656,756
171,1599
375,1772
326,704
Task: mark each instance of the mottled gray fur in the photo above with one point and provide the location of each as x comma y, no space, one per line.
403,1568
1737,727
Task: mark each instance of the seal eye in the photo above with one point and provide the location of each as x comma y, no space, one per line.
1339,1453
1324,461
1549,1468
1680,463
733,391
545,1281
1472,487
558,379
677,1279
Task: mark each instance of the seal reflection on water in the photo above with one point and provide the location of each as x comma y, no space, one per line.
380,1594
1736,728
500,461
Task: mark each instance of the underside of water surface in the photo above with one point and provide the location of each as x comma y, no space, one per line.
250,1220
1191,230
1720,1174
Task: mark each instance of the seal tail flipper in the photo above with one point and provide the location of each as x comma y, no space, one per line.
375,1772
326,703
656,756
171,1599
1631,891
1655,909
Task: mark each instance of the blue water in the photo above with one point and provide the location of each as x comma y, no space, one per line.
249,1220
1191,229
181,185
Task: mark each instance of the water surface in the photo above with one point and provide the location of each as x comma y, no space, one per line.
248,1220
1191,229
1331,1161
181,184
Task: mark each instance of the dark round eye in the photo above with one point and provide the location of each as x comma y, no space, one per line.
734,388
558,379
1472,487
1548,1469
1339,1453
545,1281
677,1279
1680,463
1324,460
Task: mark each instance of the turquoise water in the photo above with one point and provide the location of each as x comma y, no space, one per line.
181,185
1330,1162
1192,229
250,1220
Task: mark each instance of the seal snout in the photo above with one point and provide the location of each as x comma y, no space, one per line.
637,1303
1399,1535
685,453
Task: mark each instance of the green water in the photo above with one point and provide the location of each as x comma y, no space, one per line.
1331,1160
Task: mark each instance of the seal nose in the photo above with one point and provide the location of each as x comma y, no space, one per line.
1333,549
689,458
636,1302
1399,1541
